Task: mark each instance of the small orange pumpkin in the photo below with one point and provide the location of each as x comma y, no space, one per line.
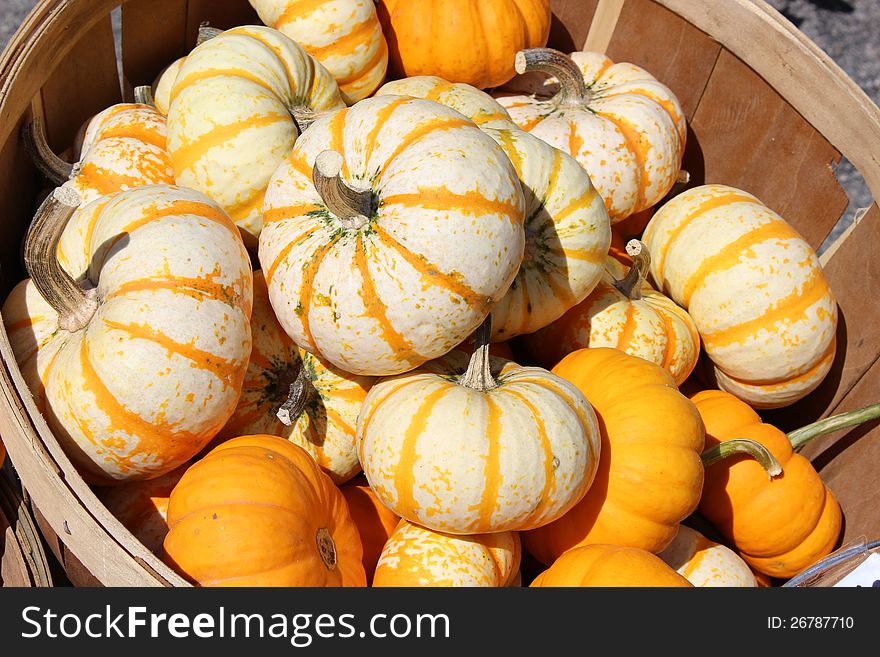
609,565
258,511
375,521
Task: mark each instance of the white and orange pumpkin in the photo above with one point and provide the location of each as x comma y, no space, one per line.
416,556
231,116
321,407
626,128
344,35
479,445
135,357
754,287
706,563
392,228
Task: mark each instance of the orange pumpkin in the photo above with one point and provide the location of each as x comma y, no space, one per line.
781,525
462,40
609,565
258,511
650,474
375,521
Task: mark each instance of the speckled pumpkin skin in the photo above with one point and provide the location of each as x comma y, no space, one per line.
443,244
158,369
705,563
753,286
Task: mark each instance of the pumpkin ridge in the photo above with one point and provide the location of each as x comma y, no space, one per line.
283,253
492,466
276,214
432,125
233,72
382,117
380,54
343,43
310,271
240,211
471,202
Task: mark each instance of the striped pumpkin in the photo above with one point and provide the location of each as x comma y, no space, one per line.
327,400
460,449
706,563
625,127
137,363
626,313
230,121
375,521
344,35
164,83
416,233
415,556
754,287
567,226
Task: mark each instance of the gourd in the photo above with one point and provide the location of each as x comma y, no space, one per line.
706,563
164,83
375,521
478,445
566,224
609,566
624,312
258,511
291,393
754,287
343,35
136,359
231,119
392,228
650,474
415,556
625,127
462,41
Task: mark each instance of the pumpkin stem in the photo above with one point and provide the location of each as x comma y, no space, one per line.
56,170
800,437
143,95
572,86
298,396
729,448
479,372
350,206
206,32
631,285
74,305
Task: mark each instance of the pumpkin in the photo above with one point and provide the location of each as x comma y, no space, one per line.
460,40
123,146
164,83
344,35
650,474
321,408
231,118
609,566
779,525
753,286
142,506
415,556
706,563
624,313
392,228
625,127
567,226
375,521
258,511
136,359
477,445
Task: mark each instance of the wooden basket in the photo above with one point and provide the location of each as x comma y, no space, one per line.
768,112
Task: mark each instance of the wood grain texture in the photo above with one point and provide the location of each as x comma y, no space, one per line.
153,36
571,23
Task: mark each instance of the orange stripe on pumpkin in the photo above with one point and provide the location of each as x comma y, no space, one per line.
471,203
635,142
627,331
546,447
432,125
200,288
382,117
374,61
360,34
492,465
207,74
337,137
297,9
310,271
270,272
244,208
138,131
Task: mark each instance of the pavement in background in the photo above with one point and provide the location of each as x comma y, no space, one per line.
848,30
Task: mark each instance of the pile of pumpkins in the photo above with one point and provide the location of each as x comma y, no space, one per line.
329,305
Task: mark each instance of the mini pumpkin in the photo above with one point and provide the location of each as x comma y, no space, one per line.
625,127
478,445
706,563
231,116
626,313
136,359
461,41
392,228
609,566
375,521
258,511
344,35
415,556
291,393
650,473
753,286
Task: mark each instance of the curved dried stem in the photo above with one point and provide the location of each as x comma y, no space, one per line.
631,284
206,33
479,372
572,86
350,206
143,95
800,437
56,170
737,446
298,396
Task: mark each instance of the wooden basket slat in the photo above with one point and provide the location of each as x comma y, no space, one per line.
571,23
749,137
222,14
153,36
664,44
84,83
